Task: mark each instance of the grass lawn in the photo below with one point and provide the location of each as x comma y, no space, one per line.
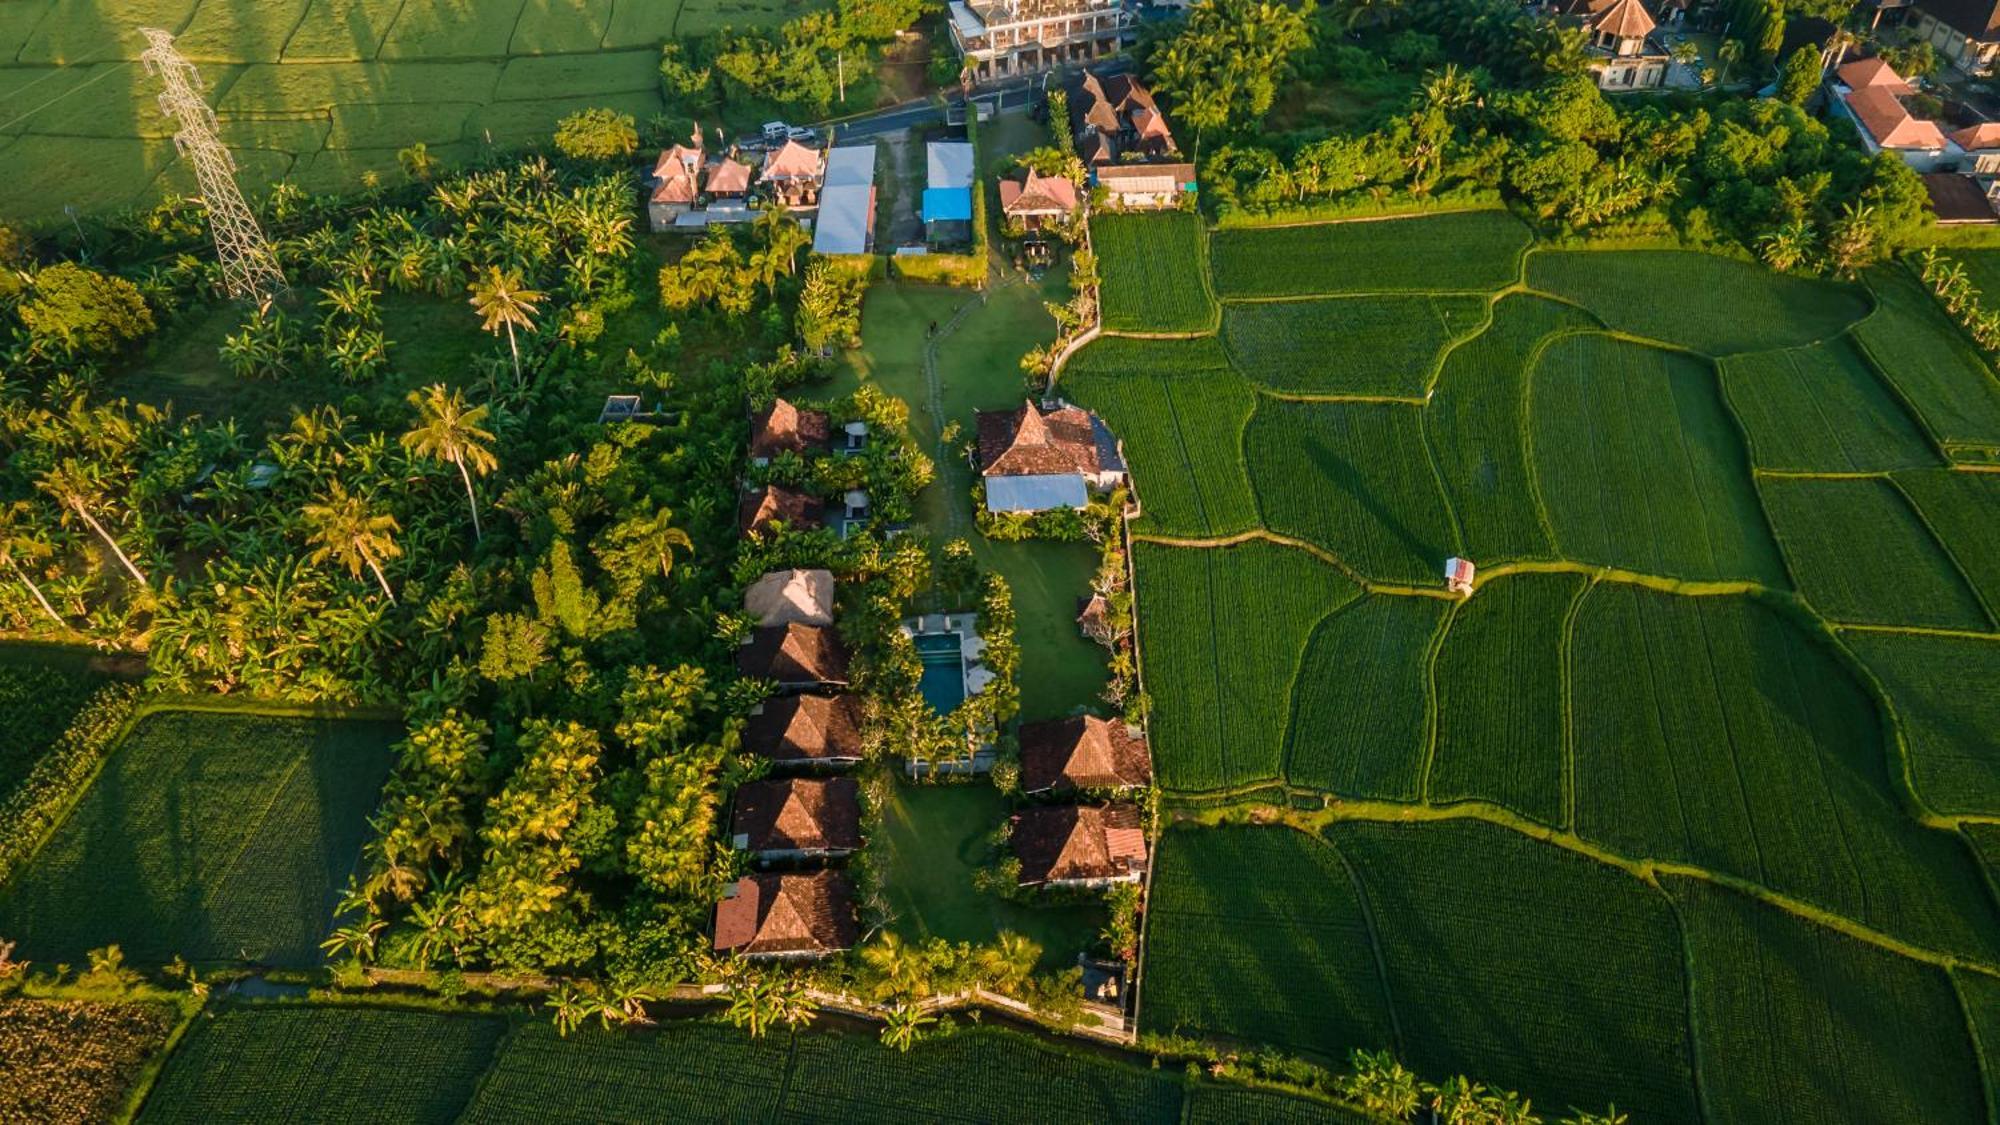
977,370
937,836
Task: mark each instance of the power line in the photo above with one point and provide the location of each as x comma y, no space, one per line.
73,90
249,269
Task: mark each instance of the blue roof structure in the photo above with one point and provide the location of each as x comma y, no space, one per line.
1036,493
943,205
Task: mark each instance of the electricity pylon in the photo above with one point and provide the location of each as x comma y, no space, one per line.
249,269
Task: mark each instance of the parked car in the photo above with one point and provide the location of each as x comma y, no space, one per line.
776,131
804,136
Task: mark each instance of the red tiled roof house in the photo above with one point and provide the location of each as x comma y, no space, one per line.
797,818
1871,94
805,730
1034,459
1079,845
773,504
677,180
784,428
1085,752
1038,200
795,657
786,917
793,174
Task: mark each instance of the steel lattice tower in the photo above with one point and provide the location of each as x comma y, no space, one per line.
248,267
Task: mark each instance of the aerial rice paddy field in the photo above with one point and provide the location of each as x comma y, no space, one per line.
318,92
1687,806
210,836
269,1062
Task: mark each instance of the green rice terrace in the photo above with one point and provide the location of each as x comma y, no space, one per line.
1688,805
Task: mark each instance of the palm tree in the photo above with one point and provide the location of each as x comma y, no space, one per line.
502,302
346,529
357,939
1009,960
18,542
74,485
1728,55
448,430
643,541
904,1025
755,1004
898,969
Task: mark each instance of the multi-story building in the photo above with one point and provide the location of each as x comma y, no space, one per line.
1965,32
1000,38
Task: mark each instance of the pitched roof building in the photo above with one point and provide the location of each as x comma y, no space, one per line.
793,173
1871,93
758,510
1093,617
806,729
795,817
999,38
1115,118
787,916
1038,197
1034,459
1084,752
1079,845
794,656
784,428
784,596
729,176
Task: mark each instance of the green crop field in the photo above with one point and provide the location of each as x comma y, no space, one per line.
1156,284
1930,362
1733,636
1353,478
1386,346
1821,408
1467,252
317,91
1792,1015
1716,306
1946,693
1360,716
1183,435
1259,602
39,695
286,1063
213,837
1501,699
1860,553
1639,465
1963,511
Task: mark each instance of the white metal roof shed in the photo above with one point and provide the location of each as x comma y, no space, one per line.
949,164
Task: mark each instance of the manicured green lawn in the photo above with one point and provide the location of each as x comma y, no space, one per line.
937,836
978,370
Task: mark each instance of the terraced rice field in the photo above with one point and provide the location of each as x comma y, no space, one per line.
1638,821
318,92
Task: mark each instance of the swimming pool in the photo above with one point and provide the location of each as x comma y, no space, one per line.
943,684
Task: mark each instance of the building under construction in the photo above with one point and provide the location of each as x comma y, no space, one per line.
1000,38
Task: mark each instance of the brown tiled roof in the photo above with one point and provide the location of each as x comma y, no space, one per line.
787,914
798,814
1058,842
1096,150
782,427
1957,199
1887,120
796,510
1181,173
1986,134
793,161
728,177
1626,19
1028,442
1093,615
1867,74
805,728
794,654
676,188
1082,753
676,161
1038,195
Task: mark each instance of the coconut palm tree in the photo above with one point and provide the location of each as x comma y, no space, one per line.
450,431
346,529
1727,56
630,548
75,486
18,541
503,302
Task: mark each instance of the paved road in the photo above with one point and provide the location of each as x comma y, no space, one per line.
1018,93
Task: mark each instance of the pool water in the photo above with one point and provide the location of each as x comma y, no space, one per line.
943,683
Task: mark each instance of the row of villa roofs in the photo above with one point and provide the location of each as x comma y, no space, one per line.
1960,167
690,191
783,428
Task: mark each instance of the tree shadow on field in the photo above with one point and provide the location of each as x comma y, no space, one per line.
1352,481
